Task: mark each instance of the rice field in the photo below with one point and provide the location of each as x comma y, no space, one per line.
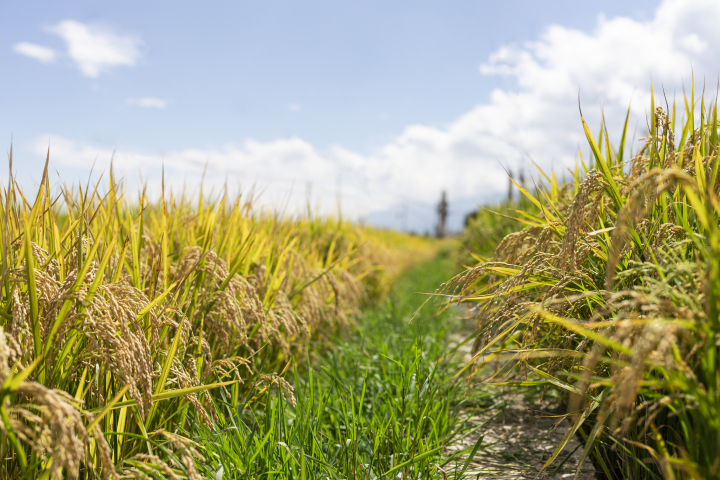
610,295
127,322
193,337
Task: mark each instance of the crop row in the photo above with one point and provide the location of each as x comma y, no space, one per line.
122,319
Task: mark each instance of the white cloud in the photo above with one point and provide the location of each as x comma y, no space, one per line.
694,43
95,50
272,167
38,52
69,153
539,116
147,102
609,66
294,107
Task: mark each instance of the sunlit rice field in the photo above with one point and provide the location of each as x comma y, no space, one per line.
124,319
202,337
610,294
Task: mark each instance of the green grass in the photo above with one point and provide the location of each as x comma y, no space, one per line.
374,404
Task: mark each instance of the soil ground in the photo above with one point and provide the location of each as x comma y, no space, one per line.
518,439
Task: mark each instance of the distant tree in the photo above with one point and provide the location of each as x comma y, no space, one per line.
442,209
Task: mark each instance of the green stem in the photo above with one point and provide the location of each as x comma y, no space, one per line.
13,438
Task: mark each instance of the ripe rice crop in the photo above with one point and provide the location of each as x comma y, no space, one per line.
611,295
122,319
486,227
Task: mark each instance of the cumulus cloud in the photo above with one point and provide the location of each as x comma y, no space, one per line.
97,49
93,49
38,52
273,168
146,102
538,117
82,155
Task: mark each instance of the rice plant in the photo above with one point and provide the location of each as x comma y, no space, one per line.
124,320
486,227
611,294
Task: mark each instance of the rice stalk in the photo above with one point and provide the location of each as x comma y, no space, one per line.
122,319
611,294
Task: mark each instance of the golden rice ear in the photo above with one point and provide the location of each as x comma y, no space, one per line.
140,308
51,425
105,454
185,449
626,275
140,463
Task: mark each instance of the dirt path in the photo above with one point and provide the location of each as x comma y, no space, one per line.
518,439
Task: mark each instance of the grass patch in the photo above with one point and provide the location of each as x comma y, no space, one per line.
374,404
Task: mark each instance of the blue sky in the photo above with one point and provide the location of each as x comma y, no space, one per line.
387,103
